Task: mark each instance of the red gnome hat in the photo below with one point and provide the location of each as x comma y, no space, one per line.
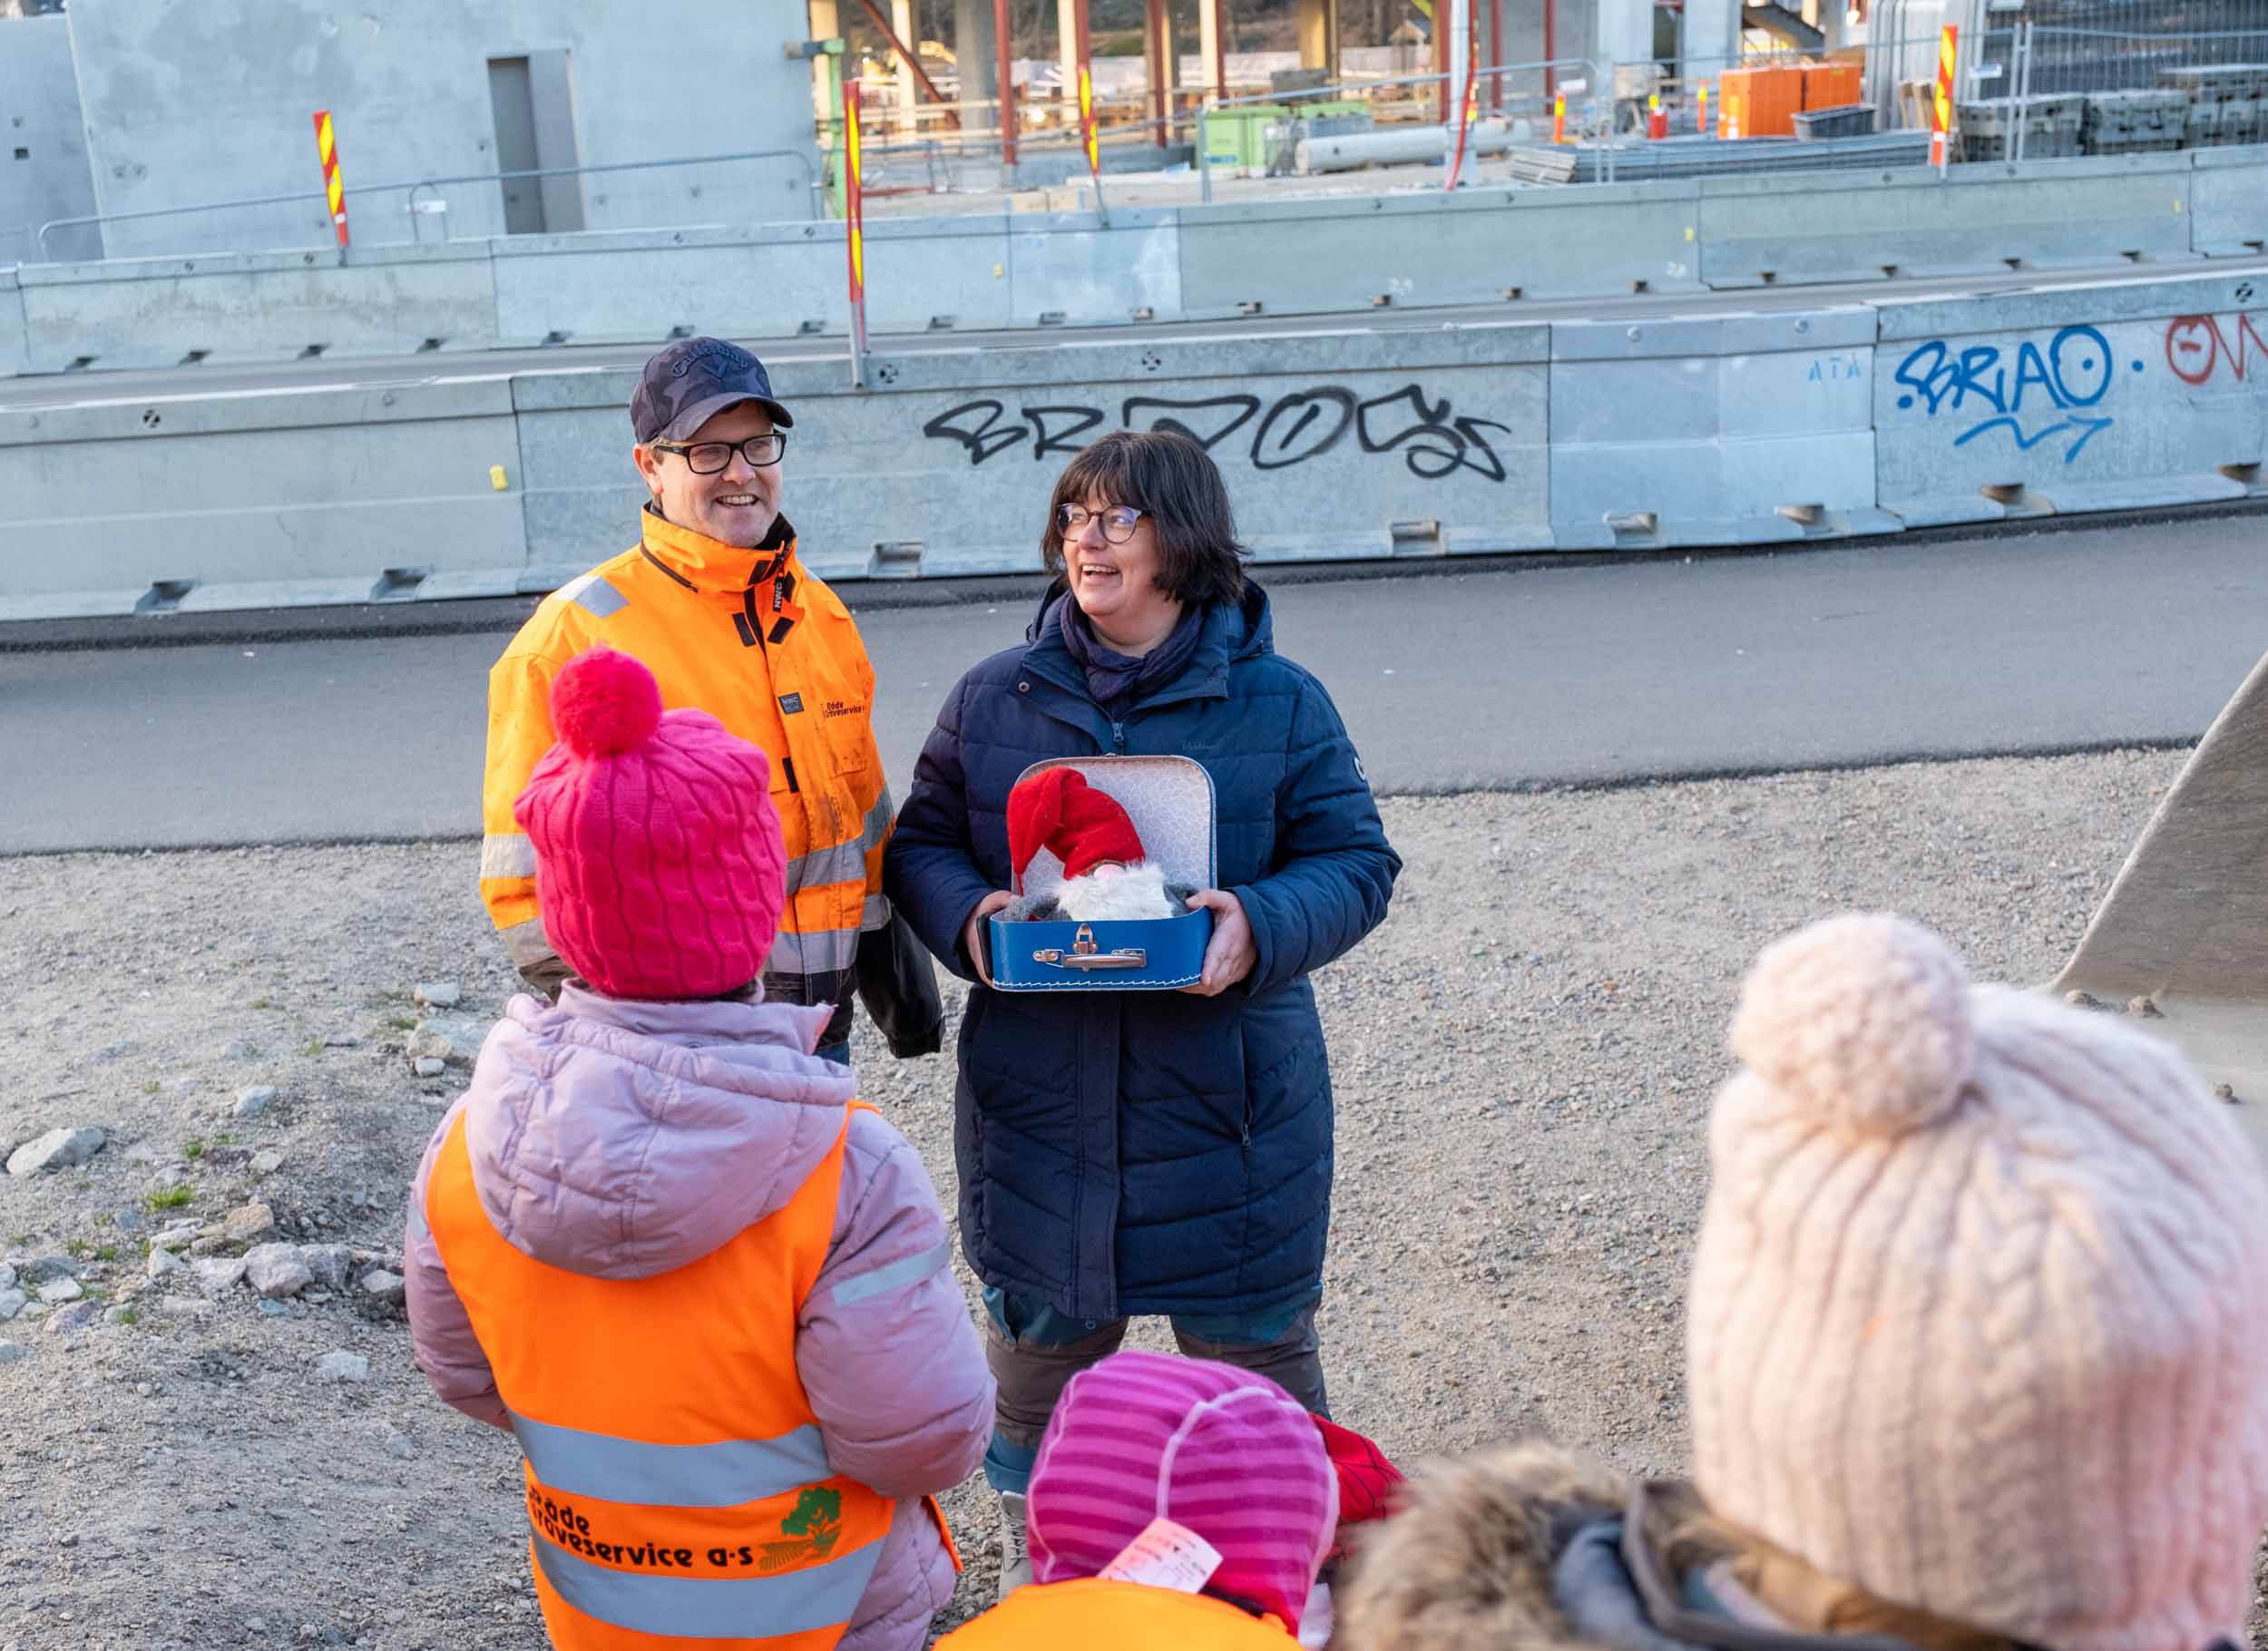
1367,1479
1057,809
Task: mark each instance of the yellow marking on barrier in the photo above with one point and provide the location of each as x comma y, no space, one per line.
498,479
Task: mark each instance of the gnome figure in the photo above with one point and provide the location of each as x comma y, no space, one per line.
1106,877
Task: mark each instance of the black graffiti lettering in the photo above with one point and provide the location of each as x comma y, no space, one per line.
987,438
1168,417
1046,441
1434,441
1302,426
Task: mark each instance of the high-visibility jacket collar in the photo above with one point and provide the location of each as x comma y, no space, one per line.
711,567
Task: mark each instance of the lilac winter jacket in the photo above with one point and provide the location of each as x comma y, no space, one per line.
623,1140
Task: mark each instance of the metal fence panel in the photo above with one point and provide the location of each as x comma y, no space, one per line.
1740,431
265,305
269,501
2151,394
15,346
2058,214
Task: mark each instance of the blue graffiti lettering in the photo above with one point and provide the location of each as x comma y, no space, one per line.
2074,371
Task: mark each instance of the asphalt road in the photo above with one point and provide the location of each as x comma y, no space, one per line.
1543,676
221,377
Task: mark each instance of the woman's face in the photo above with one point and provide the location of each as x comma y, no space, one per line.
1116,585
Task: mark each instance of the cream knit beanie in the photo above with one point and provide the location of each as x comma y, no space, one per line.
1979,1321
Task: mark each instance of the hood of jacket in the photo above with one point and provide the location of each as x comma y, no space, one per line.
1527,1548
622,1140
1231,633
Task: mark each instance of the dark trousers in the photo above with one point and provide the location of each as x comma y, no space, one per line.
1034,1351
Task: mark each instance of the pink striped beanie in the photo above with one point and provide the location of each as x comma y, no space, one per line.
1222,1452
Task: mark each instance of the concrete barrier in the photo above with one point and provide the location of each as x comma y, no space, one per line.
258,306
1847,419
1066,265
13,349
1739,430
1862,226
638,286
1478,247
999,270
2228,202
1335,445
258,501
2096,398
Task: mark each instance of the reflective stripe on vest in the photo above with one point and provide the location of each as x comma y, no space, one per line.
677,1486
845,862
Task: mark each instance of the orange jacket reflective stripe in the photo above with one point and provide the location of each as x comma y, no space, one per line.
778,661
677,1486
1097,1616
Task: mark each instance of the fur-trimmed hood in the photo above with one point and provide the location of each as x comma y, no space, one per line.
1466,1562
1529,1547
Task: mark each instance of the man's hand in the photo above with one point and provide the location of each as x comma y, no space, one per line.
1230,954
974,932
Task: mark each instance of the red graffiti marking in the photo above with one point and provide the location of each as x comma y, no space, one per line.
2196,349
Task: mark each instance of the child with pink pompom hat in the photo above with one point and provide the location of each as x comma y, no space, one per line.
659,1242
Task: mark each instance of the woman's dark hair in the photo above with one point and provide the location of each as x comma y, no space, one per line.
1175,482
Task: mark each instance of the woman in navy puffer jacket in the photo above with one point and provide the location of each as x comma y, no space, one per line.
1130,1152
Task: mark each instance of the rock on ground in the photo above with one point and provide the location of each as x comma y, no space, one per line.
277,1271
453,1039
342,1367
254,1100
438,994
57,1150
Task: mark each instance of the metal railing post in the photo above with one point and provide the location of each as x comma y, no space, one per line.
1204,158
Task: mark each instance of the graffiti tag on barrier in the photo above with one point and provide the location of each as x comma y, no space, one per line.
1435,442
2197,347
2002,391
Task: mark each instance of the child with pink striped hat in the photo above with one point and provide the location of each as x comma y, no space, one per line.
1175,1502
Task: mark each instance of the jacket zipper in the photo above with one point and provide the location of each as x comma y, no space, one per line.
1117,738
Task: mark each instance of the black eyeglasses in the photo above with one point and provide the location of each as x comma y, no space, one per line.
707,458
1118,521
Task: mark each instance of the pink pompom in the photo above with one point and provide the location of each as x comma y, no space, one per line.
605,702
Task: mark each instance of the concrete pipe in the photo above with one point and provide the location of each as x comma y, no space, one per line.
1404,146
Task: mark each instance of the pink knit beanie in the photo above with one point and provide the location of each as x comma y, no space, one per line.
659,867
1977,1321
1221,1451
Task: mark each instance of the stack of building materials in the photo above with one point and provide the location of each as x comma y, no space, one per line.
2051,127
2228,103
1764,102
1852,120
2134,122
1678,157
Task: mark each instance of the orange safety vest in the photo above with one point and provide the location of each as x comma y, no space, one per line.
678,1495
753,639
1098,1616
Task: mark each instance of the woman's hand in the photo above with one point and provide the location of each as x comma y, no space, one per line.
975,932
1230,954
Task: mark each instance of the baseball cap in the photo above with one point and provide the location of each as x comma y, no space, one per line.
693,380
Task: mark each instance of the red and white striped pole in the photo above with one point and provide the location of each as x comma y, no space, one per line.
1941,111
854,224
326,146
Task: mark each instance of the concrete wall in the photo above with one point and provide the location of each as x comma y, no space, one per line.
1850,418
43,142
187,104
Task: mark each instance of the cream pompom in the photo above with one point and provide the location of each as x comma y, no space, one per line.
1864,1019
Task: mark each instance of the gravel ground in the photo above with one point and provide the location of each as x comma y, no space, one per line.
1523,1056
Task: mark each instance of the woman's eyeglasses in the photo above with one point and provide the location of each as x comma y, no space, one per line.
1118,521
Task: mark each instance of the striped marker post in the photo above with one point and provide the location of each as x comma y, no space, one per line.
854,222
1941,111
1092,140
326,146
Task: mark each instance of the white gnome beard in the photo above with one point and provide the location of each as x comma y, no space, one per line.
1116,894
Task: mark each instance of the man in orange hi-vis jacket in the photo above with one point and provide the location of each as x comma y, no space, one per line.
715,603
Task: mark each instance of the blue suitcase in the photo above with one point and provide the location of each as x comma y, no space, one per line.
1171,802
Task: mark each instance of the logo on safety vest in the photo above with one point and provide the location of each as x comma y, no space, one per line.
815,1523
837,708
791,703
